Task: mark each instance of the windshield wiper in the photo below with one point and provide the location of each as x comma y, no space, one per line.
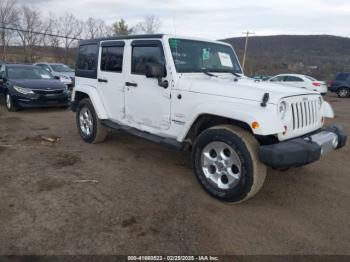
235,74
208,73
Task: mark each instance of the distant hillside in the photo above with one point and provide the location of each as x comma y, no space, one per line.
317,55
16,54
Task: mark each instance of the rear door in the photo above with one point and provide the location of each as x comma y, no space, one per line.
111,79
146,103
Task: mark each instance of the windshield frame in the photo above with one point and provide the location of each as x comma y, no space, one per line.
29,67
231,50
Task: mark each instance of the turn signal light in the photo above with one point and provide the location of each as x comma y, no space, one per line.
255,125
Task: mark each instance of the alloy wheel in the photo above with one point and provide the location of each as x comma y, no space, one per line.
344,92
221,165
8,101
86,121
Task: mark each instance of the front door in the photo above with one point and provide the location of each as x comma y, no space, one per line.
111,79
146,103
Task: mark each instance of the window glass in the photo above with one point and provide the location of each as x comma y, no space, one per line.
112,59
87,57
61,68
142,55
278,79
342,77
28,73
311,78
200,56
293,79
46,67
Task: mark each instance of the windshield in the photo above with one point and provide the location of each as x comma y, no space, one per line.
197,56
61,68
28,73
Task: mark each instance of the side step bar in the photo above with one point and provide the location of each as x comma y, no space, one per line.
169,142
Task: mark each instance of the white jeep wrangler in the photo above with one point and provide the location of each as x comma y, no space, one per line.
191,94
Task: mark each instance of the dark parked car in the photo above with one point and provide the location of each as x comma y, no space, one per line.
340,84
26,86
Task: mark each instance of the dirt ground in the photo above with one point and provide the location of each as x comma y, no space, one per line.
130,196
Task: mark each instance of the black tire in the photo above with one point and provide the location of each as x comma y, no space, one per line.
252,173
9,102
343,92
99,132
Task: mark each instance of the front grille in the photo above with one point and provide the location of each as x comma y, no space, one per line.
304,114
49,92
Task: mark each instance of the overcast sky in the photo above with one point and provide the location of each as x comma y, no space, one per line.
216,19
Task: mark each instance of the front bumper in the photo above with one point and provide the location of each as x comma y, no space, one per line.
303,150
33,101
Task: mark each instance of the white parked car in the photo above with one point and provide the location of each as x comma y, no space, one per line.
301,81
191,94
63,72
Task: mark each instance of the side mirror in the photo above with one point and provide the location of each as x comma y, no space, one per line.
154,70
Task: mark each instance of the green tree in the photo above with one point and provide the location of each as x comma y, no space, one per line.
120,28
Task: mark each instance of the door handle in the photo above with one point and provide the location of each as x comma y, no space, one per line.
131,84
100,80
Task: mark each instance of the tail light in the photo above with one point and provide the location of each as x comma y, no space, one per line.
316,84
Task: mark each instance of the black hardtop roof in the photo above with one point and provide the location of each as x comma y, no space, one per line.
127,37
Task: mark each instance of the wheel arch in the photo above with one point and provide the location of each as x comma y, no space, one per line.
205,121
82,92
344,87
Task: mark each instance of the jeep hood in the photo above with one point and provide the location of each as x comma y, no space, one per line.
244,88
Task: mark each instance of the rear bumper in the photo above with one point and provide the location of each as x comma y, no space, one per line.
304,150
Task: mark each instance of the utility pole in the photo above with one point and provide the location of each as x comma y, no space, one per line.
247,34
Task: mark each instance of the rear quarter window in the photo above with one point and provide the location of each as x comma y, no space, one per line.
342,77
87,61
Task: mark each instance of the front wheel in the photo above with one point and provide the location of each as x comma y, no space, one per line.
88,123
9,103
226,163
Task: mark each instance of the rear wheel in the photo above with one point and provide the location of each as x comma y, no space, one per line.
226,163
88,123
344,92
9,102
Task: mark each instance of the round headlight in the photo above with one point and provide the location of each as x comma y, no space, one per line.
282,108
320,102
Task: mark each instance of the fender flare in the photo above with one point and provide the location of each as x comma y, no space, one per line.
327,110
94,97
269,122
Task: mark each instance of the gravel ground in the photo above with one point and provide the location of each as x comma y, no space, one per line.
130,196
